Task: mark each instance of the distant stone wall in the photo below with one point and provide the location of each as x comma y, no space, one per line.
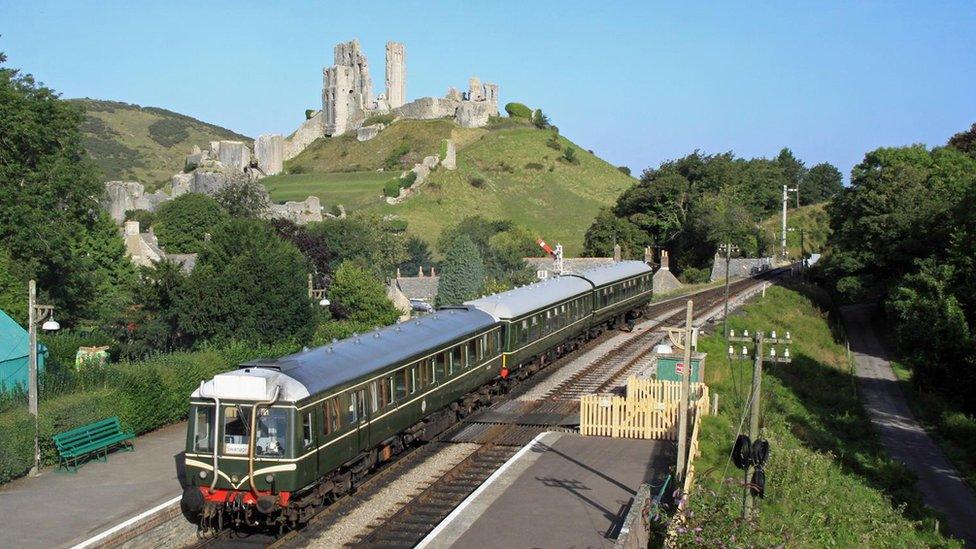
309,131
740,267
122,196
428,108
269,150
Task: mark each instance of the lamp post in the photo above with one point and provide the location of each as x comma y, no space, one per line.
36,314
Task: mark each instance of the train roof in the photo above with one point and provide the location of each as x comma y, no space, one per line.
517,302
333,365
612,273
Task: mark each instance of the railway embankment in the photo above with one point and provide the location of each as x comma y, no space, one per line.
828,478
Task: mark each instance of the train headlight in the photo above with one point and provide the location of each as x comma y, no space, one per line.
269,478
203,474
234,479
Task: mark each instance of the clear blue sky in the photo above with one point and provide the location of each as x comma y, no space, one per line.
636,82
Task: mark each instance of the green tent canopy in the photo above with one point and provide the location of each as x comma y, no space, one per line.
14,355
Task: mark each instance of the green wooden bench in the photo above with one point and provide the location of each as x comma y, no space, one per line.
93,439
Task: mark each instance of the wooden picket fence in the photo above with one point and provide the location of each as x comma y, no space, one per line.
648,411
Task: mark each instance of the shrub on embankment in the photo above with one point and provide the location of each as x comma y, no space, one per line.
146,395
828,479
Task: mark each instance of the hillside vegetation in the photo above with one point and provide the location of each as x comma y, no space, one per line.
812,219
828,481
509,170
144,144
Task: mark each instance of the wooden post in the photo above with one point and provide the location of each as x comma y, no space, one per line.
748,502
683,404
714,404
32,396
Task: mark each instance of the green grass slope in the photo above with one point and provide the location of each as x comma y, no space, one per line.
828,481
354,190
513,174
814,221
145,144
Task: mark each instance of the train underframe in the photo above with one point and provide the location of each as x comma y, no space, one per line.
214,511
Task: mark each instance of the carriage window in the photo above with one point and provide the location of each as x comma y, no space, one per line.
456,363
352,414
413,379
203,429
388,390
482,346
330,414
375,394
440,365
401,384
307,430
472,355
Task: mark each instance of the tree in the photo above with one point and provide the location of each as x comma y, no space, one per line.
48,194
608,230
624,170
152,324
315,249
507,258
356,296
183,223
101,253
242,198
540,120
13,289
792,168
418,255
369,240
823,182
462,274
965,141
248,284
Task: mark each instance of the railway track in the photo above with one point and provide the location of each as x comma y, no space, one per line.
500,430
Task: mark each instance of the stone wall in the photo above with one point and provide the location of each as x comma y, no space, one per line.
739,267
428,108
306,211
231,154
308,131
368,132
396,75
471,114
269,150
122,196
450,156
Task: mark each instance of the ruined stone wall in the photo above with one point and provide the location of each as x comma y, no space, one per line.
122,196
396,75
428,108
349,54
739,267
309,131
269,150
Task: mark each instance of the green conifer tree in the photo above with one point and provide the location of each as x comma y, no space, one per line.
463,275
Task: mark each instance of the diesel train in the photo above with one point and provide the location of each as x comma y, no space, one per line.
270,442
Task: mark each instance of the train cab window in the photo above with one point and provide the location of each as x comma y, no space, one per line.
272,428
306,430
401,384
330,416
471,357
440,365
235,430
203,428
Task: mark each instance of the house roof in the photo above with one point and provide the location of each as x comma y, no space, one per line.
419,287
187,261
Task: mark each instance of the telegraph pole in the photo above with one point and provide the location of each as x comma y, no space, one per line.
728,261
685,389
753,421
786,200
35,314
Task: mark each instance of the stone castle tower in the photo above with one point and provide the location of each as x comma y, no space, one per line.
347,89
396,75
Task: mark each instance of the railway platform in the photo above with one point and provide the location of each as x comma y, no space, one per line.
60,509
560,490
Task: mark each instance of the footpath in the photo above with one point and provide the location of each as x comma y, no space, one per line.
905,440
61,509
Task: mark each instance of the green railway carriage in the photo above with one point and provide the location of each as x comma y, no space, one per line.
618,289
538,318
269,442
324,416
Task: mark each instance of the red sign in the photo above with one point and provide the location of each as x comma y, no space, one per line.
679,368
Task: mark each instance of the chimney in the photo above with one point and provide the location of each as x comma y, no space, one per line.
616,253
398,272
665,261
131,228
420,273
648,255
432,271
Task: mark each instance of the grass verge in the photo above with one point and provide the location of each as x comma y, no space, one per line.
828,480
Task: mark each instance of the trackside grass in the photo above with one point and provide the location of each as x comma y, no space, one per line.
828,482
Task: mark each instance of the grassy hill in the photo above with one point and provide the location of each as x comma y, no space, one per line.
506,171
814,221
145,144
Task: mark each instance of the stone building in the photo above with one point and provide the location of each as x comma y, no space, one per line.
143,249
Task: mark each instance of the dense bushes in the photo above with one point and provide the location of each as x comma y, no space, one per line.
392,188
182,223
518,110
168,131
393,160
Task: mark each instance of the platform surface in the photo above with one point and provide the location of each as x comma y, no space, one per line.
59,509
563,490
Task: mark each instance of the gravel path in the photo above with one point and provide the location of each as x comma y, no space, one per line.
906,441
393,496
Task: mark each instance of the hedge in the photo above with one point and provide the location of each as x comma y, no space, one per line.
518,110
392,188
146,395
